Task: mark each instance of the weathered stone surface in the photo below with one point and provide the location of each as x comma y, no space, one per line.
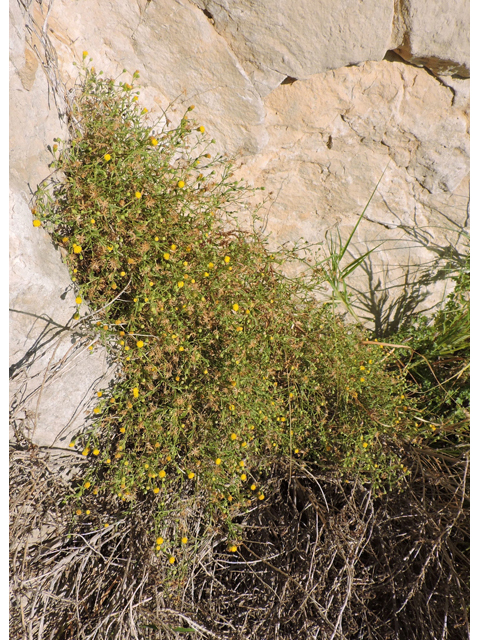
274,39
331,137
180,57
434,35
53,375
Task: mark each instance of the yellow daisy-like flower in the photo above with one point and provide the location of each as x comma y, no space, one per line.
37,223
85,452
191,475
261,497
162,474
365,445
122,429
87,512
77,248
96,410
227,259
138,195
135,392
78,300
78,512
243,477
96,452
171,560
153,141
232,549
184,540
181,349
106,525
233,436
180,284
85,54
107,157
72,444
253,487
218,461
201,129
159,541
108,461
140,344
180,184
145,110
156,490
87,485
236,307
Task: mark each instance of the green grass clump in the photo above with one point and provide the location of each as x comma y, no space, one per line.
227,366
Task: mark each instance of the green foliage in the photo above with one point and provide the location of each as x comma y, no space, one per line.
226,364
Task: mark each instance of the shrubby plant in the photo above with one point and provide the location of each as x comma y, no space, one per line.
227,366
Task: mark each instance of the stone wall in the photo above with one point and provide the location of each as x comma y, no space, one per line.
314,98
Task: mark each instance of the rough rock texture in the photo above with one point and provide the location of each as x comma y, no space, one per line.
434,35
274,84
275,39
53,374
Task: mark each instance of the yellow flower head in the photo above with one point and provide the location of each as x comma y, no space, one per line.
95,452
140,344
232,549
243,477
184,540
159,541
37,223
218,461
154,141
107,157
233,436
77,248
180,284
138,195
235,307
166,256
78,300
162,474
191,475
227,259
135,392
365,445
180,184
85,54
201,129
171,560
156,490
87,485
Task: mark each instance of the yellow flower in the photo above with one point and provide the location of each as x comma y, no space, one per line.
72,444
96,410
78,512
243,477
153,141
156,490
235,307
106,525
144,110
95,452
162,474
171,560
131,261
78,300
206,274
135,392
85,452
87,485
362,368
122,429
108,461
227,259
180,184
181,349
201,129
85,54
365,445
37,223
180,284
253,487
233,436
218,461
261,497
191,107
87,512
232,549
191,475
77,248
362,379
184,540
107,157
140,344
138,195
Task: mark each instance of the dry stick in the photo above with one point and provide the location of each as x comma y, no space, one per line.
193,624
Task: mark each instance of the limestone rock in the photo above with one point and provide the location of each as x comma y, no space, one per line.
275,39
434,35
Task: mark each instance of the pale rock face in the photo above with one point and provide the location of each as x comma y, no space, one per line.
274,39
319,145
434,35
